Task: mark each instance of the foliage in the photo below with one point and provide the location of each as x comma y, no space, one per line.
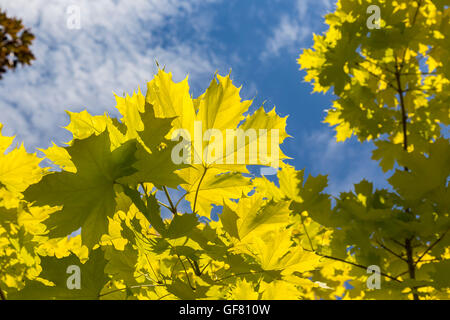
15,42
108,184
392,87
100,207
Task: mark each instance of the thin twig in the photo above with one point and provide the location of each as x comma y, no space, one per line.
391,251
345,261
402,273
397,242
430,247
352,263
131,287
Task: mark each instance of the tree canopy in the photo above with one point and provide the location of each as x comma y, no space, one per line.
91,226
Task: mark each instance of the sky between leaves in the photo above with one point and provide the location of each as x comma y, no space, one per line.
116,48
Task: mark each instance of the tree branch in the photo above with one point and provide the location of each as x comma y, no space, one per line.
353,264
411,266
403,109
343,260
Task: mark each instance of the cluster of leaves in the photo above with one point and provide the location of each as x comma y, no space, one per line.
282,239
15,43
392,87
109,182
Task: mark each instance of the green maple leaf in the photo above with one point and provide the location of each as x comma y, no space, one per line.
440,274
156,168
181,225
426,173
154,161
214,187
387,153
122,264
155,129
87,197
92,279
252,216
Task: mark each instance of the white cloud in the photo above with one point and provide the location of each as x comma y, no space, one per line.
115,50
286,33
295,26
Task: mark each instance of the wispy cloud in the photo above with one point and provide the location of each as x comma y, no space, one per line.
295,25
287,32
114,50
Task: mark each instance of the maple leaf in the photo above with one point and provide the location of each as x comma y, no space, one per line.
221,109
252,216
87,197
91,273
18,169
154,156
243,291
274,251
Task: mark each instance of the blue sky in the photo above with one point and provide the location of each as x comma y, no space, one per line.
117,45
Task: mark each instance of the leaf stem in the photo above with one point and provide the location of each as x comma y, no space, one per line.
307,234
179,200
185,271
144,189
198,188
165,205
151,267
172,207
204,268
